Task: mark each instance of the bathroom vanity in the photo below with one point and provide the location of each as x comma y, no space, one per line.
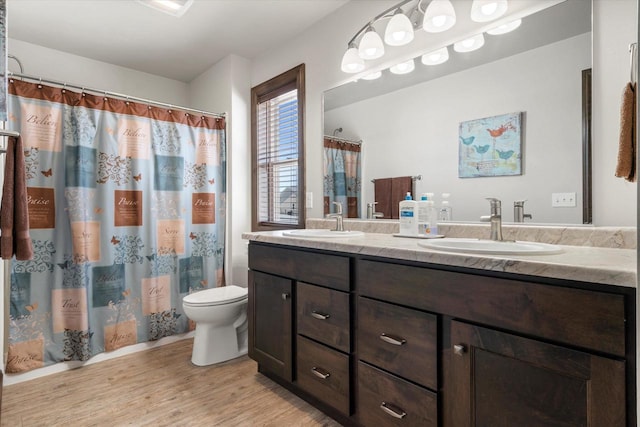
376,331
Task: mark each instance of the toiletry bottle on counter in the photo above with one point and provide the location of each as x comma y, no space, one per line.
424,215
433,215
408,216
445,213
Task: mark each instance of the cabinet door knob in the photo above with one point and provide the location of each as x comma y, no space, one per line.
392,340
319,373
321,316
285,296
459,349
393,410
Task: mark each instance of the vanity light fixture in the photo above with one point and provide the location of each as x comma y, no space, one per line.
487,10
403,67
372,76
176,8
439,16
399,30
371,46
351,61
436,57
470,44
505,28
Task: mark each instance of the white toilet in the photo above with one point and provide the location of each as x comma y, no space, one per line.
220,315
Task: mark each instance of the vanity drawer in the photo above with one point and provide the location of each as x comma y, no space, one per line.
324,373
584,318
323,314
385,400
321,269
400,340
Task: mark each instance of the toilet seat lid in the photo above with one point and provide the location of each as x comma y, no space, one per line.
217,296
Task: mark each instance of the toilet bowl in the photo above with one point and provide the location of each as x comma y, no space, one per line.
220,315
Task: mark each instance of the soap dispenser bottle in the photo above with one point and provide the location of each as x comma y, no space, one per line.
408,216
445,213
424,216
433,215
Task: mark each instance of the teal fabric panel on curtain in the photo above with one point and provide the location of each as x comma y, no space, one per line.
342,173
127,215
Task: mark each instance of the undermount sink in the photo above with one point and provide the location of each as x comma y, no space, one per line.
490,246
322,233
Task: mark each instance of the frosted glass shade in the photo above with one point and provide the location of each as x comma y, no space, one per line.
487,10
372,76
371,46
403,67
439,16
470,44
351,61
399,30
436,57
505,28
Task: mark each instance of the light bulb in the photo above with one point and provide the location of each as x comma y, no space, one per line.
399,30
436,57
351,61
439,16
487,10
470,44
505,28
403,67
371,46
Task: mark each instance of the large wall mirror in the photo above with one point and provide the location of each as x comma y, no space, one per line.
409,124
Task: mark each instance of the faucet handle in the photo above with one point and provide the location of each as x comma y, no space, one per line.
338,207
371,204
519,203
496,205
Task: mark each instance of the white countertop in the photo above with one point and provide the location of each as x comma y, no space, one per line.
610,266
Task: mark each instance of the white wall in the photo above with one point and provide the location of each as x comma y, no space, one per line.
53,64
322,46
615,26
225,87
414,131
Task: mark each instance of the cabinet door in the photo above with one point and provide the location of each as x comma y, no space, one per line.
498,379
270,323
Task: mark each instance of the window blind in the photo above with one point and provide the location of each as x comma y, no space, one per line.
277,159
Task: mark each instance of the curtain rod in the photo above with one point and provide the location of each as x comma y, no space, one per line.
346,141
113,94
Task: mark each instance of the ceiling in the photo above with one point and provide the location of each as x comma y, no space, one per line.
129,34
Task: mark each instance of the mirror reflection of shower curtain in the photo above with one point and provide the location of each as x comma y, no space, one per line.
126,216
342,171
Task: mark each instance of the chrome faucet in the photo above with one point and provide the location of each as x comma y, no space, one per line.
337,216
495,218
370,211
518,211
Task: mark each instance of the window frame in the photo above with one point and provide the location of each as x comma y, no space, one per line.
285,82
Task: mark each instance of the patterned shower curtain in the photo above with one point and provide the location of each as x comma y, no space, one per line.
127,215
342,176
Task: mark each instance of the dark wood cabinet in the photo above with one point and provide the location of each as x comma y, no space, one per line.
503,380
380,342
270,323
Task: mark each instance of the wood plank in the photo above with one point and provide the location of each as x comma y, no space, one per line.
159,387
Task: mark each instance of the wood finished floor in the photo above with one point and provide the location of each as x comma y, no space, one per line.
157,387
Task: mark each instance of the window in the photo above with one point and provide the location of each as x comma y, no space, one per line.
277,141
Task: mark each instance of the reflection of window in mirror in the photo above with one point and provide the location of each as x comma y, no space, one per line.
277,147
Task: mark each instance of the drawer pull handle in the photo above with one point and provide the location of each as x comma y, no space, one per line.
393,410
321,316
392,340
459,349
285,296
318,373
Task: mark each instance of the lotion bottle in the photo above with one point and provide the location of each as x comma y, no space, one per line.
408,216
424,216
433,215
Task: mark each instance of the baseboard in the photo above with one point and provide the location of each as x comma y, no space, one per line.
10,379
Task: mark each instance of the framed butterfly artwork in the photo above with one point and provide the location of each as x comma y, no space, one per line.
491,146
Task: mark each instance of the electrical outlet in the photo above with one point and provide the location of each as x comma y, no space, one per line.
563,200
309,200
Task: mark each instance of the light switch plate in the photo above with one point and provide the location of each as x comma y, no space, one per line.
309,200
563,200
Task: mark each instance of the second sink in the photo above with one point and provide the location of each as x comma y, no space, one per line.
490,246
